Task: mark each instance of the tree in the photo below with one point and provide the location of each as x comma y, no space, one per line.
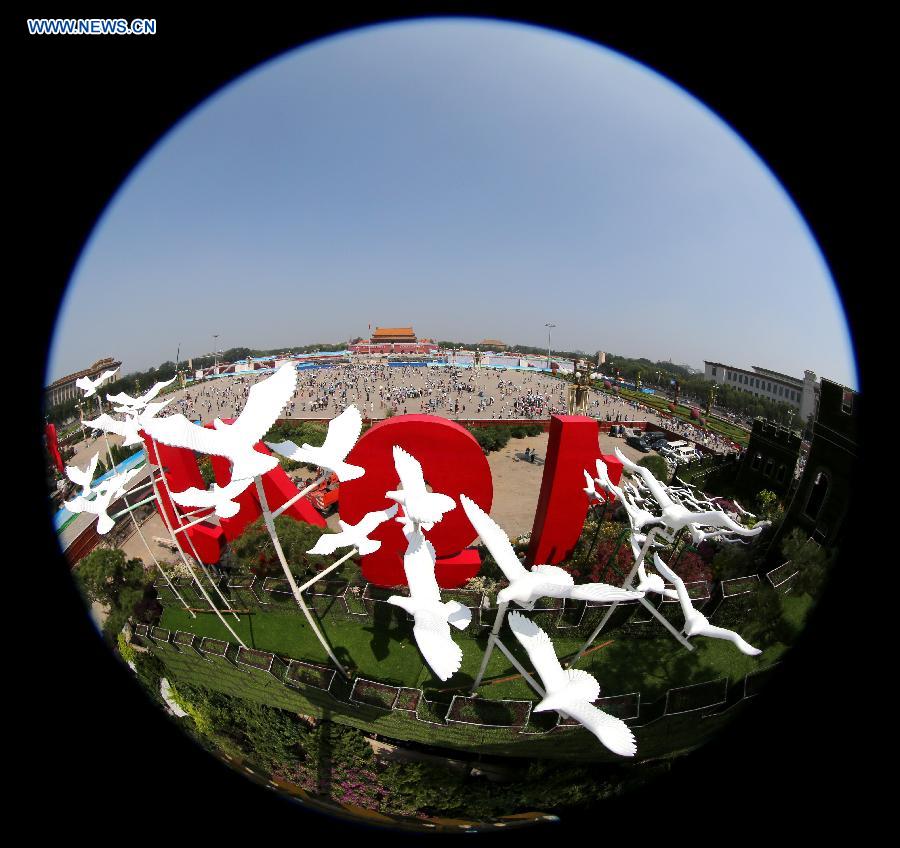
104,573
769,506
254,552
657,467
810,559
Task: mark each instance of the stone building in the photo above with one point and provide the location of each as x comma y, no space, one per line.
64,389
770,458
772,385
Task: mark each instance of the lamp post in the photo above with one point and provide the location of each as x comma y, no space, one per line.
549,331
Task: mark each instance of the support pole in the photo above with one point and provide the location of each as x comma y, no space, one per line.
289,503
184,559
498,623
528,678
627,584
138,526
133,507
328,570
270,525
165,481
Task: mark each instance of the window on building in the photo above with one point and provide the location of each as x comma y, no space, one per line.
847,402
768,469
779,476
816,496
757,461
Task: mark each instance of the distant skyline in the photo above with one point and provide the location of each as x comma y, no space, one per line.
473,179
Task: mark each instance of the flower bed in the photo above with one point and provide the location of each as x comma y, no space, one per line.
183,640
490,713
542,722
782,576
331,588
572,613
408,699
621,706
214,647
305,674
241,591
467,597
261,660
739,586
431,712
688,698
159,634
164,592
757,680
276,592
373,694
354,600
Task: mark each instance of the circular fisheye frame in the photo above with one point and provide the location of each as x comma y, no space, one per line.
390,534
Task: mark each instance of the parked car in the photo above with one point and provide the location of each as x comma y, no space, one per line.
639,443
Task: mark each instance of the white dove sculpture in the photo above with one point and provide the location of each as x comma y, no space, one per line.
129,427
421,508
638,517
571,692
543,581
695,623
236,442
138,403
104,495
675,515
343,431
89,386
83,478
432,616
221,498
354,535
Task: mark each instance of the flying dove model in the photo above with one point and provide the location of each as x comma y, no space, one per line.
128,428
235,442
138,403
638,517
695,623
421,508
219,497
104,495
675,515
354,535
343,431
571,692
432,617
83,478
543,581
89,386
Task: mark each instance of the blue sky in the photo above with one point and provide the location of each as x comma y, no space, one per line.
471,178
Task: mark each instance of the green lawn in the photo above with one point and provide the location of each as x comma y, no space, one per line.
382,648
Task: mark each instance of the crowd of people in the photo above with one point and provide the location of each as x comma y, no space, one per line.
379,390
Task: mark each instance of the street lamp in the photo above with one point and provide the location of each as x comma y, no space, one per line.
549,330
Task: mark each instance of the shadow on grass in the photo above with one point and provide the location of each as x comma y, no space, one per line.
389,623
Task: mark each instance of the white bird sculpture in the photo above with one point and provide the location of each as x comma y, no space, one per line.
695,623
83,478
129,427
138,403
638,517
543,581
104,495
571,692
432,617
221,498
675,515
421,508
354,535
343,431
89,386
236,442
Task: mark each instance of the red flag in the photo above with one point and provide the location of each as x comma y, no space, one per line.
53,447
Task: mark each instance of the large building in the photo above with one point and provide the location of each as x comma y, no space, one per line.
65,389
823,496
387,340
771,385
